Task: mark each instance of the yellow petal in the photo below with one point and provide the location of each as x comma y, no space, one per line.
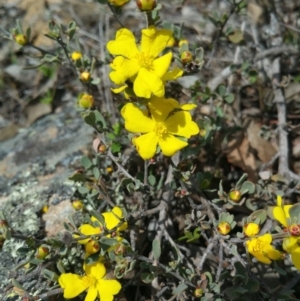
107,289
279,215
123,70
181,124
279,200
96,270
286,210
147,83
296,258
92,293
170,145
136,120
72,284
267,238
146,145
120,89
154,41
290,243
162,64
188,106
124,44
111,221
172,75
161,107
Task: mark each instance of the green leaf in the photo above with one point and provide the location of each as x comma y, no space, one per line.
115,147
89,118
229,98
259,214
252,286
83,190
52,276
77,177
247,187
221,90
99,118
152,180
179,289
294,212
147,277
86,162
156,249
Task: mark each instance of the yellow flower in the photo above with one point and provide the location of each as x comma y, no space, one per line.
94,282
262,250
118,2
146,5
160,127
141,64
251,229
291,245
112,219
86,101
281,212
76,55
170,75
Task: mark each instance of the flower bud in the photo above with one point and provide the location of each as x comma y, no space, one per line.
183,41
109,169
224,228
86,101
198,292
146,5
118,2
251,229
171,42
42,252
45,209
102,149
119,249
21,39
202,132
186,57
77,204
85,76
235,195
92,246
294,230
76,55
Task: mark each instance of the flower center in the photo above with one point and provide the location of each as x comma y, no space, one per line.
144,60
259,246
89,281
160,129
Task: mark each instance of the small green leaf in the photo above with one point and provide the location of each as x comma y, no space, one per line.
77,177
152,180
147,277
156,249
229,98
96,173
115,147
179,289
86,162
247,187
294,212
52,276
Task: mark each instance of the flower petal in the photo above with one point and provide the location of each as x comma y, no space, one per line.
188,106
172,75
296,258
119,89
124,44
111,220
181,124
161,107
72,284
108,288
123,70
92,293
136,120
96,270
170,145
162,64
154,41
147,83
279,215
146,145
